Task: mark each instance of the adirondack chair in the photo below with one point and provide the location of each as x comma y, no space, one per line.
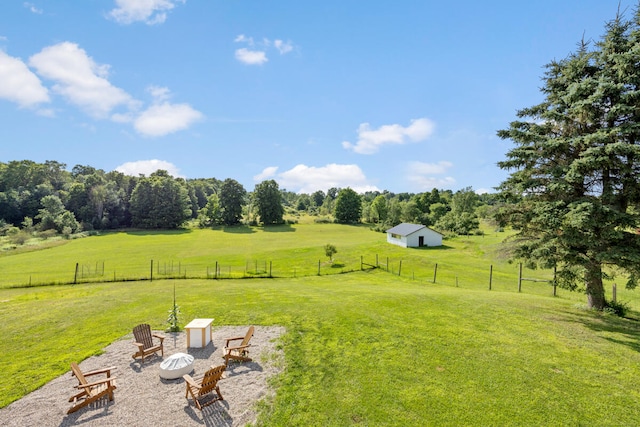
201,388
91,391
238,352
144,341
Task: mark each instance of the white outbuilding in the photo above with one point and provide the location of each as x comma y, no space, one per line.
413,236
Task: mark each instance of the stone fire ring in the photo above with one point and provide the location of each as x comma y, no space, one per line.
176,365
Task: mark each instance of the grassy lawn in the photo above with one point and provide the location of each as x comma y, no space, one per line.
370,348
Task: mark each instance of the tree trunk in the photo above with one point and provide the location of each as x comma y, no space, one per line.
594,287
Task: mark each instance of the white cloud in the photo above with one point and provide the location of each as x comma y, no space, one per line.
33,8
147,167
251,57
18,84
283,47
421,175
79,79
268,172
165,118
370,141
421,168
244,39
308,179
159,93
481,191
148,11
257,55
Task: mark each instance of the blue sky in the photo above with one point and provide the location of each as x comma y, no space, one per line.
402,96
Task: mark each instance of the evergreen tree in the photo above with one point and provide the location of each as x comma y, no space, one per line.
576,165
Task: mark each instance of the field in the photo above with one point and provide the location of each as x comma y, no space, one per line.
369,347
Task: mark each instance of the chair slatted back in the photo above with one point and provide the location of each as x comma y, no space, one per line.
210,380
78,373
142,334
247,337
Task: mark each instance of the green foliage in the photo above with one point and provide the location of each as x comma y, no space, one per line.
330,250
54,216
618,308
232,199
211,213
269,202
379,209
160,201
576,164
174,314
348,207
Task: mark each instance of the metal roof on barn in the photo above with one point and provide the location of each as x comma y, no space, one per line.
405,229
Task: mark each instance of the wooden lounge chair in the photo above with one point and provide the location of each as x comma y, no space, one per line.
144,341
91,391
200,388
238,352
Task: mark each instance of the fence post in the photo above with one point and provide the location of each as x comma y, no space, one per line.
151,277
270,267
614,293
318,267
400,268
435,272
520,279
490,275
555,282
361,262
75,276
377,261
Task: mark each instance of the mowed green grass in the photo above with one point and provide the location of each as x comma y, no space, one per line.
369,348
285,251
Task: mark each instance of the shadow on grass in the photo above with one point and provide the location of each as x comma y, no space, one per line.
623,331
141,232
282,228
238,229
432,248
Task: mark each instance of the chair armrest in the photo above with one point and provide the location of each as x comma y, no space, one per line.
160,337
191,382
95,383
239,347
233,339
100,371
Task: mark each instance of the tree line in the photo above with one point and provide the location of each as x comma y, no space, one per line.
47,197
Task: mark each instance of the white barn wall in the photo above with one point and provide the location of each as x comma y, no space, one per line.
400,242
430,238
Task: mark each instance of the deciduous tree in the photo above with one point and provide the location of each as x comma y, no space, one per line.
232,198
269,202
348,208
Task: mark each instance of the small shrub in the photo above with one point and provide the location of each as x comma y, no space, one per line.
323,220
174,313
19,238
620,309
47,234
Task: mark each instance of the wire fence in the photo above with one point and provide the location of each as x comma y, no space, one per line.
509,277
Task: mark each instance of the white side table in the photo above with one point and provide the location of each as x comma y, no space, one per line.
198,332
